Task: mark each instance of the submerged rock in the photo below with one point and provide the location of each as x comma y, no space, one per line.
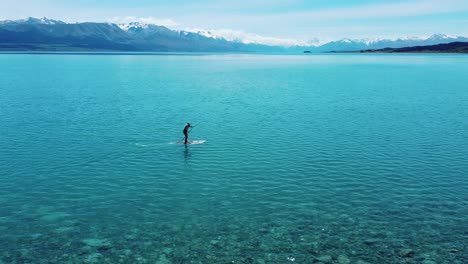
131,237
371,241
36,236
325,259
360,261
54,216
342,259
163,260
85,250
215,243
406,253
64,229
167,250
95,242
93,258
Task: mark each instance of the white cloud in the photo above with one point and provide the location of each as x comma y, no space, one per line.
145,20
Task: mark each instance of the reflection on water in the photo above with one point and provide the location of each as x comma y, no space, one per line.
187,153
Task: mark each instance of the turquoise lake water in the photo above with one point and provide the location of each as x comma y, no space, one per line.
308,159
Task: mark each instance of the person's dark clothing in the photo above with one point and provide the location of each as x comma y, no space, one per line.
186,133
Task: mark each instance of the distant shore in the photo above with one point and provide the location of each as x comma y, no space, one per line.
454,47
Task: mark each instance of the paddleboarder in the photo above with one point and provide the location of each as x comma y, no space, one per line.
186,132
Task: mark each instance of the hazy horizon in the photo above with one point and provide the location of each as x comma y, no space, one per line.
310,22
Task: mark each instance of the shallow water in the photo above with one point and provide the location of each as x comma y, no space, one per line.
307,159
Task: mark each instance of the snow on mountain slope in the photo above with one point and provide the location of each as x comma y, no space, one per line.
150,28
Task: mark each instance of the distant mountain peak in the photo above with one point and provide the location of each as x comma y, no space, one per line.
33,20
130,25
44,21
145,29
442,36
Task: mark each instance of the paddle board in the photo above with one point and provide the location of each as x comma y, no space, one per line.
190,142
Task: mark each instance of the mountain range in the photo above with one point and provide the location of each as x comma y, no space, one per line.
452,47
364,44
45,34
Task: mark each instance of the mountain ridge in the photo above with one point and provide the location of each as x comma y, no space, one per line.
452,47
44,34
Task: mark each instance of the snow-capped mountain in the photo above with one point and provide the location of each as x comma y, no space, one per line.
314,44
133,25
192,39
362,44
44,33
248,38
32,20
47,34
144,28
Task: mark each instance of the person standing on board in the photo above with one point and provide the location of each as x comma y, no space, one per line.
186,131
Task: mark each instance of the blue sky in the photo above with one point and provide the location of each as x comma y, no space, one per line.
292,19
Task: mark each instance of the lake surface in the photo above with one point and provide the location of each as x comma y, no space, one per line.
308,159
